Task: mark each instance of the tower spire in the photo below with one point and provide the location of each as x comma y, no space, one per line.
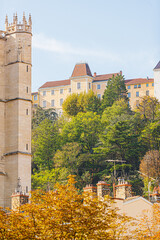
30,20
24,18
6,23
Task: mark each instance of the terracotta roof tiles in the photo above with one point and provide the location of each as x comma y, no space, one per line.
138,81
56,83
104,76
81,69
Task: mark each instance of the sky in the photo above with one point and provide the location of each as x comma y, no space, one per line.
110,35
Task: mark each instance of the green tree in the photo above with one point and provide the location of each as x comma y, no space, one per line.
115,90
46,179
150,135
40,114
86,166
119,108
120,139
84,129
45,142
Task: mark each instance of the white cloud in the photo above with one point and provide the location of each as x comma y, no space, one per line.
42,42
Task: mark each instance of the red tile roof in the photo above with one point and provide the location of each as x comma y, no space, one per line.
104,76
56,83
81,69
157,66
138,81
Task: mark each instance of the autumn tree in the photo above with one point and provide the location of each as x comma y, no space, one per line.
115,90
64,214
82,102
148,225
148,108
150,164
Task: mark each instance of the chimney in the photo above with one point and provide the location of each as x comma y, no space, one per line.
95,74
102,189
90,188
123,189
18,197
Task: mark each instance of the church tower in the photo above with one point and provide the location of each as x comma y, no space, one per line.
15,107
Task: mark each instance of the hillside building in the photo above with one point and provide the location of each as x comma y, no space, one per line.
15,108
53,93
156,71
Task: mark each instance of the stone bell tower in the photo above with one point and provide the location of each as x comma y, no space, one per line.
15,107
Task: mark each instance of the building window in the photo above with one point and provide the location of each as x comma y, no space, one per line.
26,146
69,90
152,84
27,89
139,85
52,92
26,189
98,86
89,86
137,103
129,87
35,105
137,94
27,68
129,94
61,101
78,85
44,93
35,97
135,86
26,111
44,103
99,96
52,103
61,91
147,93
147,84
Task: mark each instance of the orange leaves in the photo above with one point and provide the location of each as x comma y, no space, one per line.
63,214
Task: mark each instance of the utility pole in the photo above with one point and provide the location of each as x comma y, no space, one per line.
114,173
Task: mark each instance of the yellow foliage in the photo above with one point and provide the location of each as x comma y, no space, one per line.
63,214
149,225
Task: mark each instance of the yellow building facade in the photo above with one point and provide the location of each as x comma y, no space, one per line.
52,94
138,88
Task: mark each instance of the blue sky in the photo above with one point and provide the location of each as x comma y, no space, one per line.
109,35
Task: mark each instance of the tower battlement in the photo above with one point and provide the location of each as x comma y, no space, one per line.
15,26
